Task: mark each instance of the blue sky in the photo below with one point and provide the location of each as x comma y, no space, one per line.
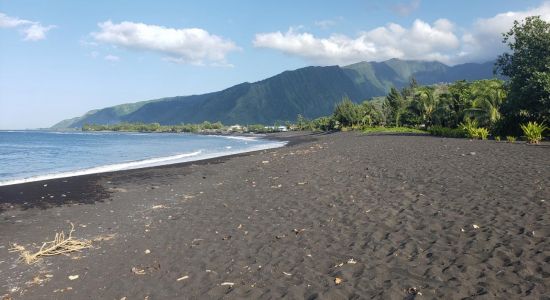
60,59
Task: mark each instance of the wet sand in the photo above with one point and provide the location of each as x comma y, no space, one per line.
383,214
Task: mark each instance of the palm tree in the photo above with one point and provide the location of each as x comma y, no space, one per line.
488,96
424,104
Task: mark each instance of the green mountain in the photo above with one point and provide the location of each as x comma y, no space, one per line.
310,91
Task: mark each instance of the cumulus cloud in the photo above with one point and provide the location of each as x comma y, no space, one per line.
420,41
31,30
483,41
405,9
186,45
440,41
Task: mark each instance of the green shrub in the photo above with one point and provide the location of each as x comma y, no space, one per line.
474,132
382,129
447,132
497,138
511,139
470,127
533,132
481,133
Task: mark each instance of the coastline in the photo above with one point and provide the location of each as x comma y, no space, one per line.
38,192
154,161
383,213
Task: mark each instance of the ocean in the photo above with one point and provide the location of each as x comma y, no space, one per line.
27,156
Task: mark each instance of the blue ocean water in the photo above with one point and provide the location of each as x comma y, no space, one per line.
37,155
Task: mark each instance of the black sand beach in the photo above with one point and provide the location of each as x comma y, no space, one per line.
387,215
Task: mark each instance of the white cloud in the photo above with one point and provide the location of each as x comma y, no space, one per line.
186,45
484,40
328,23
405,9
111,57
10,22
440,41
36,32
420,41
32,31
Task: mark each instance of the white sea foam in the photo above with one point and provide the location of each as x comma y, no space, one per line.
108,168
152,162
236,137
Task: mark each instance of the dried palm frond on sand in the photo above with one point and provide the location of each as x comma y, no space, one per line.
60,245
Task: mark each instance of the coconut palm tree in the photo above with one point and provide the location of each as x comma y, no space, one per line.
424,104
488,96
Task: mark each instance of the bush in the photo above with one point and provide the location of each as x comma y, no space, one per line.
481,133
474,132
533,132
381,129
447,132
497,138
511,139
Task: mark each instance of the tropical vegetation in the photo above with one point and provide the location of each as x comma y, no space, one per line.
516,103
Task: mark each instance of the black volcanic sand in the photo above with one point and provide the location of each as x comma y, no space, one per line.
452,218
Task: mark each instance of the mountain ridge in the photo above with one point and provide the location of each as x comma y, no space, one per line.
311,91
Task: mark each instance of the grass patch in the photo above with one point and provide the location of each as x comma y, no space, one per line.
447,132
381,129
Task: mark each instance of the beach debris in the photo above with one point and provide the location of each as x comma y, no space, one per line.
228,283
338,280
350,261
73,277
302,183
287,274
138,271
59,245
298,231
413,291
182,278
240,226
158,206
475,226
147,251
227,237
265,162
472,153
280,236
62,290
462,229
104,237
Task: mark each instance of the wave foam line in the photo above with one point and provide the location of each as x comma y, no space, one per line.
107,168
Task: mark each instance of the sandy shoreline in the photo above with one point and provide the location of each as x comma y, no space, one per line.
384,213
